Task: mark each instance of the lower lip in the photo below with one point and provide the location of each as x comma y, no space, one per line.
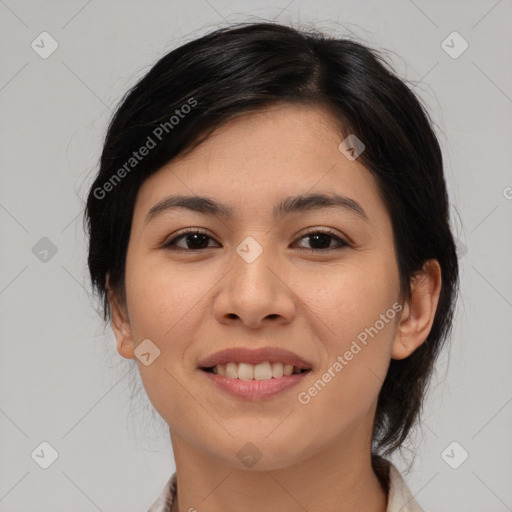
255,389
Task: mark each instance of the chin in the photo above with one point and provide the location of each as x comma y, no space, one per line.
263,453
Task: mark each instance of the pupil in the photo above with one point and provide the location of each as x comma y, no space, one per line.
195,238
323,237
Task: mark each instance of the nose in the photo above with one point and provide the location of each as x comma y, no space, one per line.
255,293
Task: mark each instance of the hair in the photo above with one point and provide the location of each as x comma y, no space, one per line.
203,84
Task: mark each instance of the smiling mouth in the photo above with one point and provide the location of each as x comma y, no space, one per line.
262,371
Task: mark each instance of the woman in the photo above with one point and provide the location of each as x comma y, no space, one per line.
269,234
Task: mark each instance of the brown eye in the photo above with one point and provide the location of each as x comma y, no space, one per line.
194,240
321,240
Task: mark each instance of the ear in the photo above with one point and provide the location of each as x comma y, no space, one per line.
120,324
419,312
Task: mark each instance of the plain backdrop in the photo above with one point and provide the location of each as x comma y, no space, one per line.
61,379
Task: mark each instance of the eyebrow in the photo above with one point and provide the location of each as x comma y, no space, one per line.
300,203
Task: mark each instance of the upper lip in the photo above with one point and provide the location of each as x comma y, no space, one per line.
255,356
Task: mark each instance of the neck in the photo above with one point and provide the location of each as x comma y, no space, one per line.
337,479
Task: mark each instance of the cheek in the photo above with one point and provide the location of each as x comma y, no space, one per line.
163,303
162,300
354,327
351,299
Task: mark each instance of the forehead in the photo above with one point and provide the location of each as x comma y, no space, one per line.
257,159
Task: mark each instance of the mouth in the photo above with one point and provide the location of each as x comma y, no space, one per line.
254,382
255,374
262,371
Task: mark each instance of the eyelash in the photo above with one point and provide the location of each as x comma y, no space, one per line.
170,244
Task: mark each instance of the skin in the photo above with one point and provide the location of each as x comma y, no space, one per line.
193,304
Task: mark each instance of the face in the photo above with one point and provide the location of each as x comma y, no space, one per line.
318,281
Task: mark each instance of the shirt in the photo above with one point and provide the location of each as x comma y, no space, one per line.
400,498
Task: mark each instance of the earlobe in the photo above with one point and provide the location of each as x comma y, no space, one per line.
419,312
121,325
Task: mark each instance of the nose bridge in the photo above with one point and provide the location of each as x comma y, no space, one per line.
251,267
252,290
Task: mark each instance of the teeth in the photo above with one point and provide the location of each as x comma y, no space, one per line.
231,370
245,371
261,371
277,370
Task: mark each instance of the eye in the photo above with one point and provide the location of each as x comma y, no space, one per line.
192,237
323,238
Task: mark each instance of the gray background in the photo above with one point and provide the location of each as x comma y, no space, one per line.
61,379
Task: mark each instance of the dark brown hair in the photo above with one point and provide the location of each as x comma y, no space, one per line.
205,83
